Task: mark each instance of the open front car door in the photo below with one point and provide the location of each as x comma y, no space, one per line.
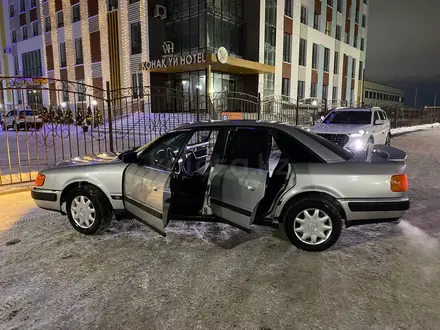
238,178
146,183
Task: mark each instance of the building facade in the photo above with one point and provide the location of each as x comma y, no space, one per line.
382,95
298,49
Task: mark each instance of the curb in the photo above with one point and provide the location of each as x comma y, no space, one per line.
15,190
415,131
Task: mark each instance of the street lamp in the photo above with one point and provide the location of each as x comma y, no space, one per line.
94,102
63,104
314,103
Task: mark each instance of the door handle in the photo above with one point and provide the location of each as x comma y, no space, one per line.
251,188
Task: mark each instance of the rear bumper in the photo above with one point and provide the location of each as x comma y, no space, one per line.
47,199
374,210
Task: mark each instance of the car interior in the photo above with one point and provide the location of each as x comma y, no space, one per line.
189,185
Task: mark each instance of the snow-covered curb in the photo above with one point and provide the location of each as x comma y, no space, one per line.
401,130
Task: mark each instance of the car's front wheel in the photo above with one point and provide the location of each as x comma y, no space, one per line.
3,126
313,223
88,210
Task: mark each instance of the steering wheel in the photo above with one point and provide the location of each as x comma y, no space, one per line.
171,155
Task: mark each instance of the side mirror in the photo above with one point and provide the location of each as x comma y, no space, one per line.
130,157
379,122
320,120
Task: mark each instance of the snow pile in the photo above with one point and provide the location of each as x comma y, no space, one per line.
407,129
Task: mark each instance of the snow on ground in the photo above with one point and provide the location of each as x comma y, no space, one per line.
212,276
401,130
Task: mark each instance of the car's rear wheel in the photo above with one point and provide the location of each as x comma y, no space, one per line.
15,126
313,223
3,126
88,210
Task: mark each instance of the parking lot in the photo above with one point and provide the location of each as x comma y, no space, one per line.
211,276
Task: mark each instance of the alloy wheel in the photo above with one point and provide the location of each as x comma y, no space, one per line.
83,212
312,226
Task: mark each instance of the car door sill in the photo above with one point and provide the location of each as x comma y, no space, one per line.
150,226
214,219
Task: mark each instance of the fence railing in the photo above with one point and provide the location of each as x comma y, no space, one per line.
51,120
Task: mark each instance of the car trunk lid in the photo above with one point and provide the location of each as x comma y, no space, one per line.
389,153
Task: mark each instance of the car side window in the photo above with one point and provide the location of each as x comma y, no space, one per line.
293,150
381,115
199,149
384,114
247,147
10,114
162,154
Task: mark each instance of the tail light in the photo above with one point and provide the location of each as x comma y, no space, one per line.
22,117
39,181
399,183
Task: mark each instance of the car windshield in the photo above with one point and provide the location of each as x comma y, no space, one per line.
348,117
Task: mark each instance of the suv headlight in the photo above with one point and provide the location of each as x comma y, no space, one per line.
359,133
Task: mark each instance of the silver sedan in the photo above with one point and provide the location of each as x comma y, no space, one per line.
243,173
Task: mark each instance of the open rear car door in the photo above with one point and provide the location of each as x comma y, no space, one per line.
237,181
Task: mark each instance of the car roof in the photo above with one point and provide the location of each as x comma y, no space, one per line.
354,109
238,123
289,129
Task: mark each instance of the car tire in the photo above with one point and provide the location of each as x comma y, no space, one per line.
327,207
102,210
3,126
388,140
15,126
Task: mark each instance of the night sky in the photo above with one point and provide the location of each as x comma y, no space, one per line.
404,47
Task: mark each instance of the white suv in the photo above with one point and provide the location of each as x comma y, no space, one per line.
357,129
21,119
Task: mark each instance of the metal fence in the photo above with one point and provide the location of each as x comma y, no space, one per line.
51,120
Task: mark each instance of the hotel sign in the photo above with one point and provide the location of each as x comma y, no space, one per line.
170,60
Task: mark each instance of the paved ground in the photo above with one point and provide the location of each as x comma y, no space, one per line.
206,276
